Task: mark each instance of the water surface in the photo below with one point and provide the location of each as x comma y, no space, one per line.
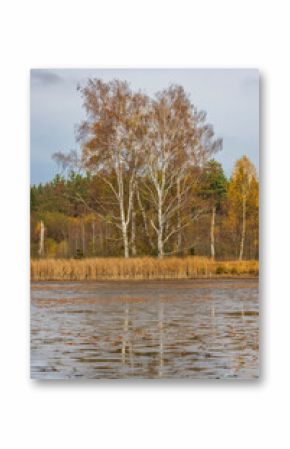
153,329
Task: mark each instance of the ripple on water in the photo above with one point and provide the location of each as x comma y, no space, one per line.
179,329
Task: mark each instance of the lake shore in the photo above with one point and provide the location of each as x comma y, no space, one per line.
141,268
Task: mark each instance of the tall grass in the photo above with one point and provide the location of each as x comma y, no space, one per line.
138,268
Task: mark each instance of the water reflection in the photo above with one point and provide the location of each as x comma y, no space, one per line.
160,325
184,329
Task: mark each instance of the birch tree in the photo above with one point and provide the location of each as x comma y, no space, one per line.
242,186
178,139
111,138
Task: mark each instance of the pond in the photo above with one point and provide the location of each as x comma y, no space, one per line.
200,329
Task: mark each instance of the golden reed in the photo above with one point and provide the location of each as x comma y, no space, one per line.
142,268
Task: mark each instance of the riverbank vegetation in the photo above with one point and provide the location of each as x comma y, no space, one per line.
138,269
144,183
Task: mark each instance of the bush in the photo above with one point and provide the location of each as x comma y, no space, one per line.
220,269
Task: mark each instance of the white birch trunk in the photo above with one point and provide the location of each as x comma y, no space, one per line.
124,228
243,230
133,234
179,237
212,226
120,196
93,229
125,239
160,243
41,240
83,238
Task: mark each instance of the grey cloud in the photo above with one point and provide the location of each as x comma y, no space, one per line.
43,77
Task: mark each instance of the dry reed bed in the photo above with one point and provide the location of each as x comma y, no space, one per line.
138,268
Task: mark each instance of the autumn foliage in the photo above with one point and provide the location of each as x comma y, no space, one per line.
144,183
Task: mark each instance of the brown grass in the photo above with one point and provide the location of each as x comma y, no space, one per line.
138,268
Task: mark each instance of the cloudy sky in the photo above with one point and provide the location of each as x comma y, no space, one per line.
229,96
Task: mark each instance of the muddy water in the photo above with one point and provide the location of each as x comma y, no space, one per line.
176,329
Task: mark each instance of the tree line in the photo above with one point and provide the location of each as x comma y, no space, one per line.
145,183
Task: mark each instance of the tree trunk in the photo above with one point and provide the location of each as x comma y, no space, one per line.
123,219
133,235
125,242
179,236
41,240
160,231
160,245
93,226
83,238
212,225
124,226
243,230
